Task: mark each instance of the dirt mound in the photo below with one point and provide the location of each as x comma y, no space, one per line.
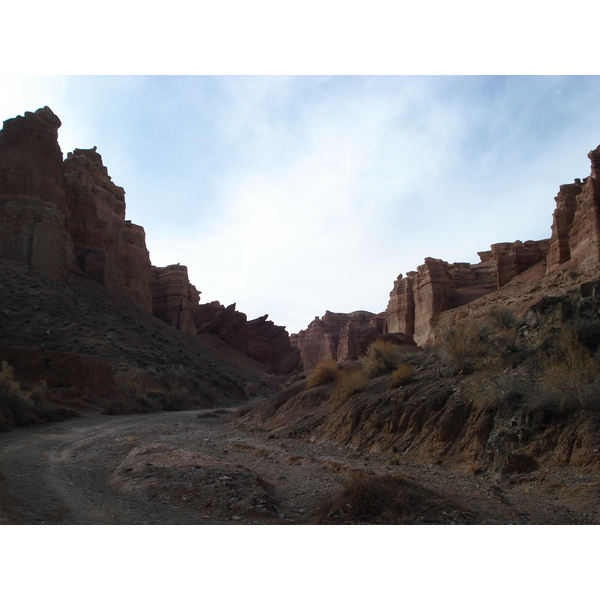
391,500
196,481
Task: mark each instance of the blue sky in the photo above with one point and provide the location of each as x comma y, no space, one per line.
292,195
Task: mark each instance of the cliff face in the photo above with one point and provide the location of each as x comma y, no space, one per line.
32,198
68,216
576,221
259,338
107,247
341,336
418,300
174,297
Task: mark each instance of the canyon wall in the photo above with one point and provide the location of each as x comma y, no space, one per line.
67,216
418,299
341,336
32,197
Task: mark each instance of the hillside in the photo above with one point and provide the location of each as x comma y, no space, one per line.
87,320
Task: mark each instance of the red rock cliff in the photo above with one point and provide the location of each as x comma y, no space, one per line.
108,248
338,336
60,216
576,221
259,338
32,198
174,297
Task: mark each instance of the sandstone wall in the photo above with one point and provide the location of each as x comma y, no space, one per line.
174,297
61,216
417,301
107,247
259,338
32,199
576,221
338,336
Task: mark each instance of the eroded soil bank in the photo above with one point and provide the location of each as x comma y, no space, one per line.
194,468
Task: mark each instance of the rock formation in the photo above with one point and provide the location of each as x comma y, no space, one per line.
107,247
340,336
260,339
576,221
68,216
32,198
418,300
174,297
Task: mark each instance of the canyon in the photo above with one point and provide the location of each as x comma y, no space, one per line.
88,325
67,217
424,300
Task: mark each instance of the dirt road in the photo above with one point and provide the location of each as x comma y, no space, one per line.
194,468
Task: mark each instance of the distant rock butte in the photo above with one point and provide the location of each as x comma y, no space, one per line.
341,336
68,216
418,299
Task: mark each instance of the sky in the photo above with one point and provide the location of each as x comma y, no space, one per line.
293,195
297,159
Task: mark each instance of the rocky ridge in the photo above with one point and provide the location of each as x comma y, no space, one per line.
68,217
418,301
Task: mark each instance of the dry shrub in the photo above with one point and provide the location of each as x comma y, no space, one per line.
381,357
401,376
462,348
349,381
570,376
325,372
390,500
501,318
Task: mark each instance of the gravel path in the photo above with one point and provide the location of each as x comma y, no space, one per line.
194,468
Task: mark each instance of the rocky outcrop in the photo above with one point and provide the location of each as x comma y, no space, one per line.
417,301
339,336
260,339
107,247
174,298
61,216
32,198
576,221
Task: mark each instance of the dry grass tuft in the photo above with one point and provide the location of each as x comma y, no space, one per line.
349,381
401,376
381,357
325,372
501,318
570,376
390,500
462,348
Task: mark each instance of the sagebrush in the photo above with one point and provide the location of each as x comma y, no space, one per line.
325,372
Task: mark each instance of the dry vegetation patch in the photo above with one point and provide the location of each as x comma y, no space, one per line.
390,500
325,372
403,374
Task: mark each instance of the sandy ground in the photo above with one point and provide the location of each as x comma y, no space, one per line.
194,468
